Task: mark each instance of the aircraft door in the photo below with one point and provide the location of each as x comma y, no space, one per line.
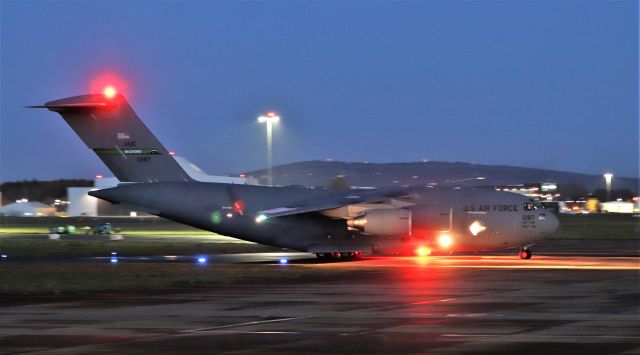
432,218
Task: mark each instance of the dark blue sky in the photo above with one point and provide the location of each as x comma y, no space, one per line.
537,84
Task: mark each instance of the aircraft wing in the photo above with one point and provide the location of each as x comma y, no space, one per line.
349,198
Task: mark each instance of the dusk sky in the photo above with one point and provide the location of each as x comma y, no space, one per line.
537,84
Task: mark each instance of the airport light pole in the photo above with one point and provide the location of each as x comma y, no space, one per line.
270,118
607,179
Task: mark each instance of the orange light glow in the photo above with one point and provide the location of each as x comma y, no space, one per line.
422,251
445,241
109,92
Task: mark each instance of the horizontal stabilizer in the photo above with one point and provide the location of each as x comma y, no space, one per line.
79,105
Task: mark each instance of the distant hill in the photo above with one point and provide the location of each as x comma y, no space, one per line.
320,173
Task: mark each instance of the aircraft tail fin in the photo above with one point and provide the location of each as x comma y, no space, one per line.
110,127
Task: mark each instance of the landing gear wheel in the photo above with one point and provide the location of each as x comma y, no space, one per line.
328,256
352,255
525,254
337,256
324,256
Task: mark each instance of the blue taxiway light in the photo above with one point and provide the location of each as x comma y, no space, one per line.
114,257
201,260
283,261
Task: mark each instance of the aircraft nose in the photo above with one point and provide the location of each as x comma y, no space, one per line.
552,223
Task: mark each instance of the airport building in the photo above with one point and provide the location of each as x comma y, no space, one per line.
545,191
25,208
619,207
81,204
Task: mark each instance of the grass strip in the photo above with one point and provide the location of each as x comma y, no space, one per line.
68,279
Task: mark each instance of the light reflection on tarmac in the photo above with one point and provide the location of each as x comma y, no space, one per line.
510,262
489,303
449,261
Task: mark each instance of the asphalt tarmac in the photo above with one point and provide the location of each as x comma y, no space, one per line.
489,303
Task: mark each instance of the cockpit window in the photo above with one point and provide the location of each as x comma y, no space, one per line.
532,205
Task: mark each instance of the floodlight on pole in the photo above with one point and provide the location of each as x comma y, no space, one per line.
270,118
607,179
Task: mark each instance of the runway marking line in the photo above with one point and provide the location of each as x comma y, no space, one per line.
247,332
242,324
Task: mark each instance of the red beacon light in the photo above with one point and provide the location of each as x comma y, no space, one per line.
238,206
109,92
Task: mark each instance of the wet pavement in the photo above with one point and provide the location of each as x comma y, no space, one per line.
437,304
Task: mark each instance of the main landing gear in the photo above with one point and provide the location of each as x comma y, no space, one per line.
344,256
525,253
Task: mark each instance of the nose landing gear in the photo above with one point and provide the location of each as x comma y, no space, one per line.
525,254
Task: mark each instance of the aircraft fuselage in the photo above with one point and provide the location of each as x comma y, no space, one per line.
472,218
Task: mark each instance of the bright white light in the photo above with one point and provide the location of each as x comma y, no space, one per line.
476,227
229,215
283,261
202,260
445,241
109,92
270,117
261,218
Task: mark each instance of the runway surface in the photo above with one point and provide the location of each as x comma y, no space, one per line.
497,304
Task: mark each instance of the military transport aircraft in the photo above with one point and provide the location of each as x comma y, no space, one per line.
332,223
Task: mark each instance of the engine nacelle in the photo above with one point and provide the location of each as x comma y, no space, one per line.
383,222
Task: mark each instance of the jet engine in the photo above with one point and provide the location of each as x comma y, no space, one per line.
383,222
